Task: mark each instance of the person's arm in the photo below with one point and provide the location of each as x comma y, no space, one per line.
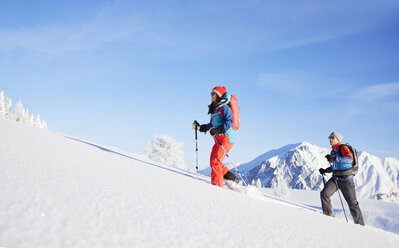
206,127
227,116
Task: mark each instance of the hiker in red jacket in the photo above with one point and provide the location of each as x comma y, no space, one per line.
220,126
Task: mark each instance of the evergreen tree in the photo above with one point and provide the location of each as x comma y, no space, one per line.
8,113
38,122
280,185
258,183
31,120
2,105
25,117
21,115
44,125
19,112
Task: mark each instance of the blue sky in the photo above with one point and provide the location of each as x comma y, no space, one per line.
120,72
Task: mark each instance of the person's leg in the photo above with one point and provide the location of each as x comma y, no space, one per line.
348,190
228,175
218,169
325,195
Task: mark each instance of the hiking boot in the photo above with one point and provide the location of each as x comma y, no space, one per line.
231,177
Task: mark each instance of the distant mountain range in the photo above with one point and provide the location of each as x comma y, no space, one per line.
297,167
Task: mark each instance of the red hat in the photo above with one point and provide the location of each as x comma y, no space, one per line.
219,90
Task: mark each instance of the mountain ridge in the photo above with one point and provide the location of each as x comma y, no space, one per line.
297,166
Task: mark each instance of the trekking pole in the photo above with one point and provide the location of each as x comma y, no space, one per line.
196,150
227,155
336,184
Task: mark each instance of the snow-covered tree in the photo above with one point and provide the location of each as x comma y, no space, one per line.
5,106
38,122
280,185
44,125
20,113
8,103
166,150
258,183
31,120
2,105
26,119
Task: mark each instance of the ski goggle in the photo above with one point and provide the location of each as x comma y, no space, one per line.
331,137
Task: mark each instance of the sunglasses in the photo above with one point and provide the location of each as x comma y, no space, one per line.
213,93
331,137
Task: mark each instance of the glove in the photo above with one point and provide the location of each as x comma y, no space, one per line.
213,131
322,171
196,125
202,128
329,158
217,130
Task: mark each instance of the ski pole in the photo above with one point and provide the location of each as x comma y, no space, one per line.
196,150
335,180
227,155
324,180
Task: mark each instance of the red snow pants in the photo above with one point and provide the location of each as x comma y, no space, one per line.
217,156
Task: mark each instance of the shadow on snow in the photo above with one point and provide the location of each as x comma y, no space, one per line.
175,170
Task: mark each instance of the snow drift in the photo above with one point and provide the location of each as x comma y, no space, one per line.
64,192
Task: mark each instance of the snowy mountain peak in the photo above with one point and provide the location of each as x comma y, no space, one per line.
297,166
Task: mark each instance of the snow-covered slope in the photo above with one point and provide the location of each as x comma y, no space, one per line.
57,191
297,165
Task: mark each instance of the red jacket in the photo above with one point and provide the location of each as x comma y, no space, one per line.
344,150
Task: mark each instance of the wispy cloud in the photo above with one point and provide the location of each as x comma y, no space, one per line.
112,23
307,22
280,25
374,100
312,39
200,27
373,93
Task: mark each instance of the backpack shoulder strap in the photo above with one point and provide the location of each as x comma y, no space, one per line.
352,151
339,150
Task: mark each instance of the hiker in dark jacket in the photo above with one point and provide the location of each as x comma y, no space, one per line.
341,160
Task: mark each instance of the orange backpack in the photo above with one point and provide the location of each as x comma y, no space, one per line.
233,104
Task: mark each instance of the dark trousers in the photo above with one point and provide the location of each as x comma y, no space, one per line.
348,190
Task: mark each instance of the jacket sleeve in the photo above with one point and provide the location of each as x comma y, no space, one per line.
208,126
346,158
227,117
